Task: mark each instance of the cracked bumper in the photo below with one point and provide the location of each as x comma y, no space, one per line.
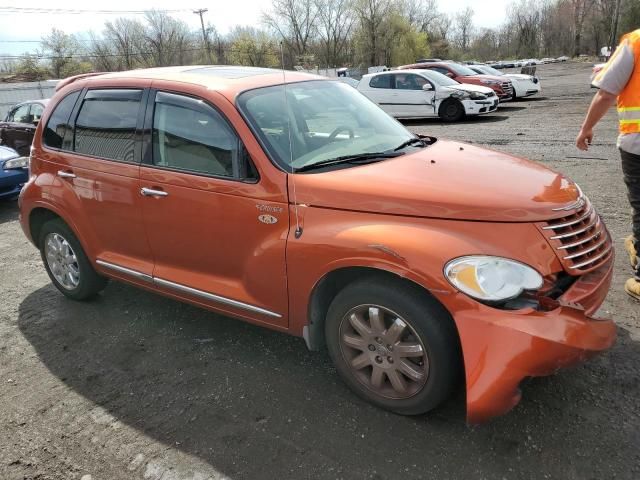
502,348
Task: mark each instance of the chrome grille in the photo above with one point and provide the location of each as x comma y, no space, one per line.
507,87
580,238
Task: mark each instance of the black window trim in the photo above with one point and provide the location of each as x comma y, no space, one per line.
76,111
147,140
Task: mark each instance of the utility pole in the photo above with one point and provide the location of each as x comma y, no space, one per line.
205,39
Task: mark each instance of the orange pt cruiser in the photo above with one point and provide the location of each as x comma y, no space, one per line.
293,202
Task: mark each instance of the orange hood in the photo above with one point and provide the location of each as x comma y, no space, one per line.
445,180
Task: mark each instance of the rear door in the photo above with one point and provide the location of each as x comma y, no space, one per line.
216,233
381,91
96,160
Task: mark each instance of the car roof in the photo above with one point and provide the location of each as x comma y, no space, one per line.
226,79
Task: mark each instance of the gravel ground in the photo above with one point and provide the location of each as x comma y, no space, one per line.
136,386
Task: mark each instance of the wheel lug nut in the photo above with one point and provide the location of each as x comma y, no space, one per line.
378,340
372,348
378,359
390,348
390,359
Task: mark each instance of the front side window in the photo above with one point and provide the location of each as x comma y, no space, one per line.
409,81
106,124
192,136
36,112
317,121
58,123
20,114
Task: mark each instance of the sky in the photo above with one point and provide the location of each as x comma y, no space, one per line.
17,27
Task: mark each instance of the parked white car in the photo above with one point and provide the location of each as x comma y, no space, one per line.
523,85
426,93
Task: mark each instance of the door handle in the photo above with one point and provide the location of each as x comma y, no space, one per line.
63,174
150,192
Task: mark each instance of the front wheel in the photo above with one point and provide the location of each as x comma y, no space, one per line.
393,346
451,111
66,263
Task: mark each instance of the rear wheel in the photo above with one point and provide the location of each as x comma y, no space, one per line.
393,346
66,263
451,111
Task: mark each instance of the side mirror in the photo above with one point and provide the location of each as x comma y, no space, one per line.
427,87
450,75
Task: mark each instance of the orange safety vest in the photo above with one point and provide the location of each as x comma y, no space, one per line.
629,98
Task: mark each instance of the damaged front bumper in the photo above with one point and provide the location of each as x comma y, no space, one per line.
502,347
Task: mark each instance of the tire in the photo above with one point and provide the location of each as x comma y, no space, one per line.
426,324
451,111
65,261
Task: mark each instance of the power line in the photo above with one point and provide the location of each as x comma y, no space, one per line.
75,11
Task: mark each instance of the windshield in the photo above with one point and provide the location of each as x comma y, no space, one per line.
321,120
461,69
489,70
439,79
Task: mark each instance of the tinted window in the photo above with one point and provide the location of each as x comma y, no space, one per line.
381,81
20,115
106,124
190,135
58,122
409,81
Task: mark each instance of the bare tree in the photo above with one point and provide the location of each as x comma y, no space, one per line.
371,14
61,47
294,21
168,40
421,14
580,10
127,37
335,24
464,27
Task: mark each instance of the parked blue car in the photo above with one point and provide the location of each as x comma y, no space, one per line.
14,172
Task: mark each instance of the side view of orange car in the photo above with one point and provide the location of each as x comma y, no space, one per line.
295,203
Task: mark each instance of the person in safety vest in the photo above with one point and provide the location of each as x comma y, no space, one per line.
620,79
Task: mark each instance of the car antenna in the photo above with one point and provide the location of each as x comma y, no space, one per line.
298,231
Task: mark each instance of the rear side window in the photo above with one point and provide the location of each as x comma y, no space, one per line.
58,123
190,135
380,81
106,124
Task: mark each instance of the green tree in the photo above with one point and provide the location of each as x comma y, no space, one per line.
249,46
62,49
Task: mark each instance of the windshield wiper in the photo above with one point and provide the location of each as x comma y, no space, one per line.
425,140
411,141
355,159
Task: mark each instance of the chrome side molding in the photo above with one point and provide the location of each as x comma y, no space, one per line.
184,289
127,271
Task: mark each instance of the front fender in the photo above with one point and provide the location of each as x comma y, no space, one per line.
413,248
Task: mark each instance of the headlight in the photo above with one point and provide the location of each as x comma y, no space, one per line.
477,96
20,162
491,279
490,82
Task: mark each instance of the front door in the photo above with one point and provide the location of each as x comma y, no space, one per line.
411,98
216,236
18,129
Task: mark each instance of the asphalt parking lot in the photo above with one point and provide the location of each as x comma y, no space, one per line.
137,386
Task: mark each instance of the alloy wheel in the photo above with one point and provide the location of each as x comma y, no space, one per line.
62,261
383,351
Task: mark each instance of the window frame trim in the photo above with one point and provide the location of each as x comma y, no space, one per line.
147,139
137,133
